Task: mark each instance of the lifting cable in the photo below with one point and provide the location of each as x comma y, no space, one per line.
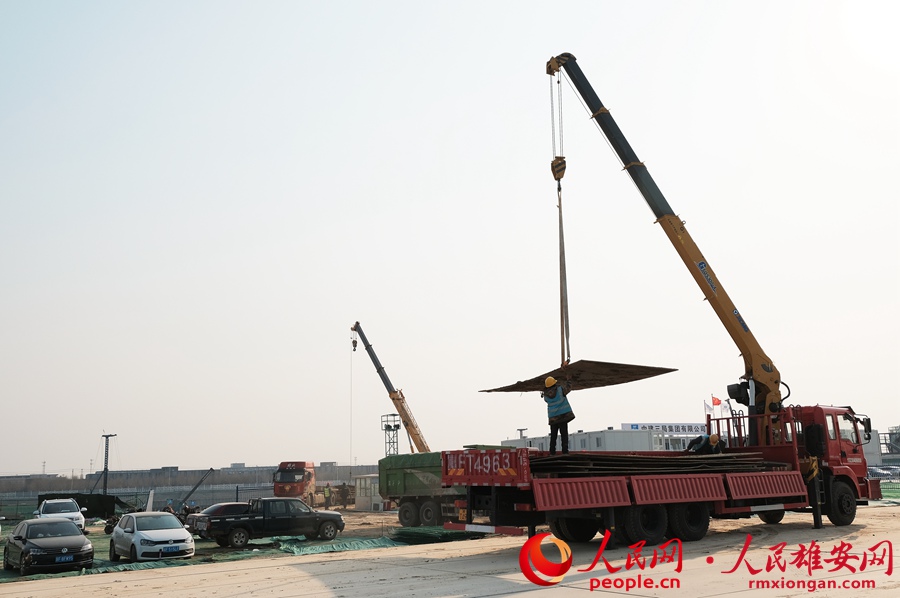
558,167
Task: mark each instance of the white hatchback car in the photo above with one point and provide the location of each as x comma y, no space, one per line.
150,536
66,508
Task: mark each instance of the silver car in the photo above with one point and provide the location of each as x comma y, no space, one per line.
150,536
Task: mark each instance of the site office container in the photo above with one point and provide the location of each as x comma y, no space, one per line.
801,459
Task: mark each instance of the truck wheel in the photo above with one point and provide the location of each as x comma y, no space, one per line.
557,530
430,513
409,514
578,529
113,555
328,530
238,537
223,542
843,504
772,517
688,522
647,523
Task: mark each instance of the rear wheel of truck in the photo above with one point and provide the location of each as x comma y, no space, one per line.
409,514
688,522
557,530
223,542
430,513
772,517
647,523
238,537
578,529
843,504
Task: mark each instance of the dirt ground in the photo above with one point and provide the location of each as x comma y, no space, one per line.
722,564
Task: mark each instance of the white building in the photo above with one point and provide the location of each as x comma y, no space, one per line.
632,437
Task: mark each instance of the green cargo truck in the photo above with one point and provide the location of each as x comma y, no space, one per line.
414,483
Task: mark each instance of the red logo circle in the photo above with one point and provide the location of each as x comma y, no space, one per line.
533,561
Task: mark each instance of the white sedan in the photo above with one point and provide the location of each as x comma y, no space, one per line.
150,536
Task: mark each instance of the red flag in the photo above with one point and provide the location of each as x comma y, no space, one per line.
716,401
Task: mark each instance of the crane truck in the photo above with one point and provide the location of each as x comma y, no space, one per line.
412,481
777,458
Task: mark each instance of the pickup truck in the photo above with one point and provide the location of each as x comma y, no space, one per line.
267,517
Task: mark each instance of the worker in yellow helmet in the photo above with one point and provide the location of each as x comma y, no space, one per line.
705,445
559,412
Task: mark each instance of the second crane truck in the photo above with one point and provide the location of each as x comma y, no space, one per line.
412,481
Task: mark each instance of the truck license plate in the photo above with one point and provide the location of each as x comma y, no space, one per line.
66,558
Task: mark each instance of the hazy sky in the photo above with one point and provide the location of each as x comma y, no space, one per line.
198,199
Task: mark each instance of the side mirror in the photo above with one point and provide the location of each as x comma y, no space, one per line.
84,509
128,530
36,513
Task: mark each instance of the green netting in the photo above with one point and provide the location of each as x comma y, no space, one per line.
134,566
299,545
432,534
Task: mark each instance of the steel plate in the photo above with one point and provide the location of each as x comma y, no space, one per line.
588,374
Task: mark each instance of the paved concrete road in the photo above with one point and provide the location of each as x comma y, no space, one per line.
490,567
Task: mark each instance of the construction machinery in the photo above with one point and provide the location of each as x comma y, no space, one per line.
416,439
777,458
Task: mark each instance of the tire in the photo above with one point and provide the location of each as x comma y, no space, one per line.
113,555
647,523
578,529
223,542
238,537
108,529
409,514
133,554
23,569
328,530
430,513
772,517
842,509
688,522
559,531
6,565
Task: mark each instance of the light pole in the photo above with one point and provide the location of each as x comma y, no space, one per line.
106,437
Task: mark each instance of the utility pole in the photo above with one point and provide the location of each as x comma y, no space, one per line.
106,437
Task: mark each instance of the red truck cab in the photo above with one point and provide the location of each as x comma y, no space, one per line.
296,479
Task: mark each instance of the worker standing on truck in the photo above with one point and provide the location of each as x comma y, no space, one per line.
705,445
559,412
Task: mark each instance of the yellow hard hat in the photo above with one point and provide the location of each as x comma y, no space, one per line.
550,381
714,439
